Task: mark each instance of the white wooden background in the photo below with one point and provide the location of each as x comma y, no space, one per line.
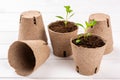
58,68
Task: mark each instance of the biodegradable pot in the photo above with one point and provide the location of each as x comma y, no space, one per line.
61,42
87,60
31,26
103,29
26,56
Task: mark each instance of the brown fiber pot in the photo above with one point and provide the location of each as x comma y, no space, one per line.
61,42
103,29
31,26
87,60
26,56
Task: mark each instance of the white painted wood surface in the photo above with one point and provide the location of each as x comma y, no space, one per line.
58,68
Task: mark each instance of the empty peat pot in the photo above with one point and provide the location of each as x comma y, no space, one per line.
31,26
103,29
60,36
26,56
88,54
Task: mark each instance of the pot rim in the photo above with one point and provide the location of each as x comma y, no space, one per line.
17,70
106,16
86,47
60,32
22,41
31,11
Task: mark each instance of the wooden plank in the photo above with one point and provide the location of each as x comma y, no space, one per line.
65,69
48,79
8,37
43,5
52,79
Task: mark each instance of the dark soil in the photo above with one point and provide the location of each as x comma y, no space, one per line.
59,26
90,42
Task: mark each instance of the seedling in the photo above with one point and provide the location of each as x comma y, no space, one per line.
69,14
88,25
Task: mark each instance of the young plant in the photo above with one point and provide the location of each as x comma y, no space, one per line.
88,25
69,14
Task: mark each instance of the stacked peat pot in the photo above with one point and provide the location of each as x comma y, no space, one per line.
31,49
31,26
60,34
103,29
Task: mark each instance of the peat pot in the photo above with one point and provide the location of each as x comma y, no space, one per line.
31,26
26,56
61,41
87,59
103,29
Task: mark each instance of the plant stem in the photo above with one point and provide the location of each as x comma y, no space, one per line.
66,21
85,30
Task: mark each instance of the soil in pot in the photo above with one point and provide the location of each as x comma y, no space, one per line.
59,26
89,42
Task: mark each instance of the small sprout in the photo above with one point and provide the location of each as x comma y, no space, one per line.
88,25
77,41
69,14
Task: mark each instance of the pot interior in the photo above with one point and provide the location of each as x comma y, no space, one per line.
22,57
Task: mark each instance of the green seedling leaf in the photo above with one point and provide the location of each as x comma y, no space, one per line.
71,15
92,23
87,24
70,11
67,8
60,17
78,24
78,41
